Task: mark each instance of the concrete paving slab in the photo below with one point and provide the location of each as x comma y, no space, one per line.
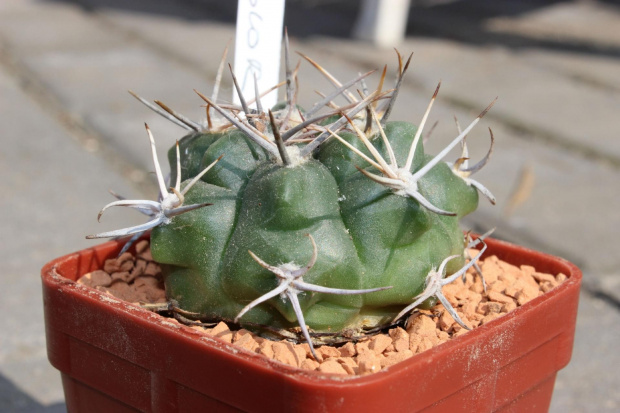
565,213
564,21
596,71
50,204
91,80
199,43
533,99
589,383
64,28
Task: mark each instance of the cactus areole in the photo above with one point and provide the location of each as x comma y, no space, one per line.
329,223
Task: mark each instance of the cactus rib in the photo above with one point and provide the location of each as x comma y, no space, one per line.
435,281
291,284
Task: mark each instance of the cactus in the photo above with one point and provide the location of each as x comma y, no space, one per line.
339,222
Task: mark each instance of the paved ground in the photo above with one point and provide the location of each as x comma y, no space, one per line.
70,131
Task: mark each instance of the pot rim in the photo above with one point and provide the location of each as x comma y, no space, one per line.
51,275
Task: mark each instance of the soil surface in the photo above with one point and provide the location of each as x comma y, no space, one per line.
138,279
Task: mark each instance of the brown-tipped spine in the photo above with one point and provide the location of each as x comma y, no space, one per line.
279,142
244,104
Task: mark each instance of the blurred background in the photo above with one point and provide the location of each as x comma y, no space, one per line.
70,131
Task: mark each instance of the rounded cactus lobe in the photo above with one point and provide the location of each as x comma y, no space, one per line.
444,189
397,239
388,231
384,227
400,135
193,244
450,192
191,149
241,158
282,204
341,160
294,198
332,317
191,248
380,219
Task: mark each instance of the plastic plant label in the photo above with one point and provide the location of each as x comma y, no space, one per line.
257,47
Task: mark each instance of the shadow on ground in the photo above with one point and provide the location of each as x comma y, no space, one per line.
464,21
14,400
456,20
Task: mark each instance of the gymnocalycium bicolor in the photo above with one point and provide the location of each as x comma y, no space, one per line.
321,222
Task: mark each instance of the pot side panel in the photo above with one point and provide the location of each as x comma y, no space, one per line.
103,345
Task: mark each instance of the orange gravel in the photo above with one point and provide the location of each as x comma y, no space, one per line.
138,279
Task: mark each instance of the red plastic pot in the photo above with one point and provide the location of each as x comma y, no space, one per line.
116,357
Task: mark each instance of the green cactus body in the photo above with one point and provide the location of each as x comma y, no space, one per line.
367,235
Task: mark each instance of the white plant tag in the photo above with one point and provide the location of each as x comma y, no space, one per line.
257,47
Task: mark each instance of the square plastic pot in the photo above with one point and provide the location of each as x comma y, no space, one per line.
117,357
